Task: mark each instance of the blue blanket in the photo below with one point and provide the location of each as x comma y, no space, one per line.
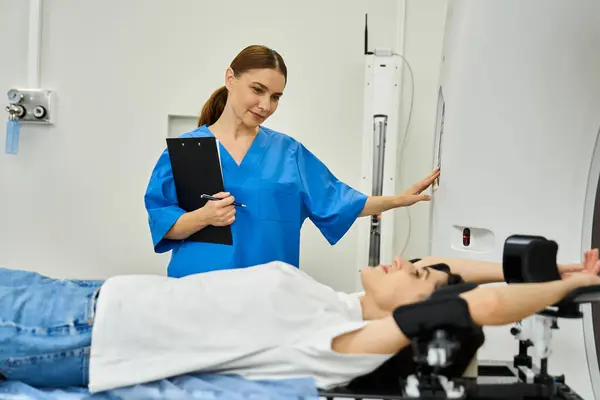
201,386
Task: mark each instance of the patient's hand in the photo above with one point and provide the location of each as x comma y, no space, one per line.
590,266
581,279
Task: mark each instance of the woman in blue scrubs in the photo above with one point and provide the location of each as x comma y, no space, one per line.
280,182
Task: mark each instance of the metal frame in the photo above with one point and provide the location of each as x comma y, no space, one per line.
593,190
495,380
438,138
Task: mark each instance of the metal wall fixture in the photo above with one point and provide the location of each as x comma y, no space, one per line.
25,106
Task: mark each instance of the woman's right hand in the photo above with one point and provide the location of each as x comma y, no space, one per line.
219,212
588,275
585,274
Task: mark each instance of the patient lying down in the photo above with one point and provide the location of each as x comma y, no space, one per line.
270,321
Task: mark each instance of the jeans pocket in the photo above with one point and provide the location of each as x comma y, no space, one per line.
66,368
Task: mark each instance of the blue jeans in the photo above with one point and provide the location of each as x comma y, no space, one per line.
45,328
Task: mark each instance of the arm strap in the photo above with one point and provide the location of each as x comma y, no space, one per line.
424,318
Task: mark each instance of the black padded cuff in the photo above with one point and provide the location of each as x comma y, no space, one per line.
424,318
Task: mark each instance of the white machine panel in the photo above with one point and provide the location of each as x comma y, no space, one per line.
518,123
381,139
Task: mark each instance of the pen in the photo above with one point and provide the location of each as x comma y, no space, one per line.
235,203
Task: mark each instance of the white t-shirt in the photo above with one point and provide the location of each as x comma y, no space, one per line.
271,321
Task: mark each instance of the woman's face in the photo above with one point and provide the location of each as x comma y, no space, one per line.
391,286
254,95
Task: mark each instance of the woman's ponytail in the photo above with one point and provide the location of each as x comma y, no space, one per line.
213,108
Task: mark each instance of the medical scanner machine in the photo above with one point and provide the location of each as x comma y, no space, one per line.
516,137
517,141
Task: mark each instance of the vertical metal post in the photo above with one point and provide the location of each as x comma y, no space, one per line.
379,135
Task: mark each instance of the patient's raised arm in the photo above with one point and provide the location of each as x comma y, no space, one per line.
501,305
490,305
380,336
475,271
482,272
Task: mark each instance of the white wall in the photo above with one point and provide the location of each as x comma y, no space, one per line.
71,202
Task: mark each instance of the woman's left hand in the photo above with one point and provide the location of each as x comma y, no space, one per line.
414,194
590,265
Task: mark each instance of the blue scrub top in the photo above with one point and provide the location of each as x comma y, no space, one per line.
280,182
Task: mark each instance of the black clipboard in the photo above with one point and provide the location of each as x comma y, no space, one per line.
197,170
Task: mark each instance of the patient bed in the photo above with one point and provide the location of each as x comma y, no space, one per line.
433,368
197,387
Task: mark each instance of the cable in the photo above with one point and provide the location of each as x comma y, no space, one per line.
402,147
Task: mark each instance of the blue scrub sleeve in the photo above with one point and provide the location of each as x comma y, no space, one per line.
162,205
331,205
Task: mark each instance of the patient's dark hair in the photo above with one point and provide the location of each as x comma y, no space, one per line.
453,279
252,57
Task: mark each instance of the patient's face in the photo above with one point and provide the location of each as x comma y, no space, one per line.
391,286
